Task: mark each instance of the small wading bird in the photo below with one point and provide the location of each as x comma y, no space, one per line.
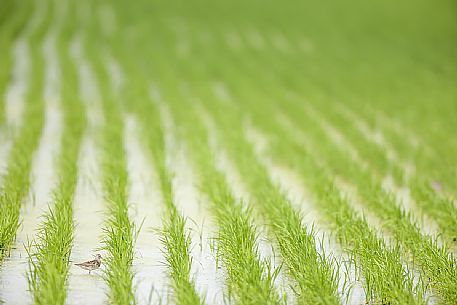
91,265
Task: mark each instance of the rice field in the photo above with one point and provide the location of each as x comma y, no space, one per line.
228,152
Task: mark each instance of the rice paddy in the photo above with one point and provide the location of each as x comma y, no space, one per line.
228,152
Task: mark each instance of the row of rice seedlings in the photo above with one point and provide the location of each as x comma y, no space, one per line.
14,17
50,251
424,191
16,180
52,247
119,231
314,273
386,280
437,265
174,236
250,280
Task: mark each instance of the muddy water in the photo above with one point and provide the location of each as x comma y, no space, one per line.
88,216
146,210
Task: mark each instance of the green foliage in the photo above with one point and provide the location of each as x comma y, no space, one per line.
25,140
290,69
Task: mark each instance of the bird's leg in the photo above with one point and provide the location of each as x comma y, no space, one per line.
89,271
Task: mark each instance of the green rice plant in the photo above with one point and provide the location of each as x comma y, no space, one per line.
177,243
119,230
250,280
50,251
16,179
52,247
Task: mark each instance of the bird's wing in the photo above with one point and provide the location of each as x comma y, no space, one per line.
86,263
